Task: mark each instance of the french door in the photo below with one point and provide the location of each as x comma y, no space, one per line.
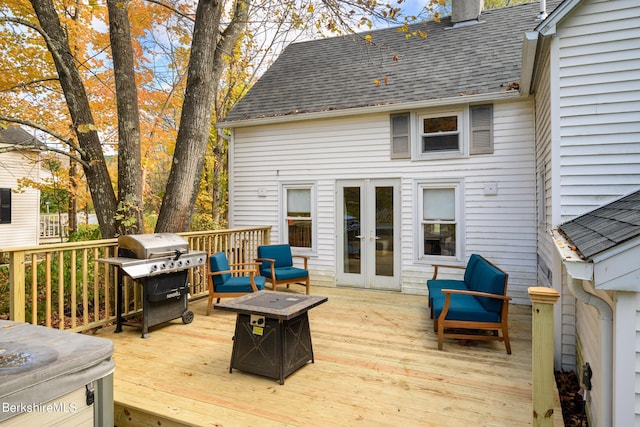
368,233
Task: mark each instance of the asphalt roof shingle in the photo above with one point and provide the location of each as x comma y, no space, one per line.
604,227
339,72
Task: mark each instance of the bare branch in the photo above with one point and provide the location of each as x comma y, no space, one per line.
41,128
40,147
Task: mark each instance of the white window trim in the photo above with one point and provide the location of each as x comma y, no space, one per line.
458,186
284,229
463,129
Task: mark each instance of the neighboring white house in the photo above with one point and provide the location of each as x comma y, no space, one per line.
379,159
19,211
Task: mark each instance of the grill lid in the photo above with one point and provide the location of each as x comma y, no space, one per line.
146,246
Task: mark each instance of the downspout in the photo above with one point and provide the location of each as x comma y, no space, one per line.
605,315
580,270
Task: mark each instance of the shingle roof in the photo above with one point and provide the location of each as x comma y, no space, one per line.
338,73
605,227
17,136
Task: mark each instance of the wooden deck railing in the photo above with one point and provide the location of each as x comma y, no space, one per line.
65,286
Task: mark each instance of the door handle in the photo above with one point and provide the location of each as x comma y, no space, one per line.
359,236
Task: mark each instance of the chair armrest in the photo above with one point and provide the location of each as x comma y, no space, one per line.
436,266
305,259
269,260
475,293
251,271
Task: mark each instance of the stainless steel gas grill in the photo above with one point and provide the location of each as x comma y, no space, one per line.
160,262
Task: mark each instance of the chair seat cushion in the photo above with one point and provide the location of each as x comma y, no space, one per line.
240,284
465,308
286,273
436,285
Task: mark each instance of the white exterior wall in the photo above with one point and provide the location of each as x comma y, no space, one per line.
25,206
598,104
501,227
595,156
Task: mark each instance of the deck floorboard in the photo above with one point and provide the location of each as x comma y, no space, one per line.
376,364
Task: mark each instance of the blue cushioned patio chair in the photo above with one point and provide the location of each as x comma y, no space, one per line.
277,266
231,280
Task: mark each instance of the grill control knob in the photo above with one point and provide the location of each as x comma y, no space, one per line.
163,266
153,268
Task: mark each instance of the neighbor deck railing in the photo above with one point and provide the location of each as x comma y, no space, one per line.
65,286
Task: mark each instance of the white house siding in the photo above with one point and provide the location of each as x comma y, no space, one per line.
596,131
501,227
23,230
637,361
549,262
599,104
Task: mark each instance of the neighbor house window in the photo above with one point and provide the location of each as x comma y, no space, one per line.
299,201
400,136
440,133
439,220
5,206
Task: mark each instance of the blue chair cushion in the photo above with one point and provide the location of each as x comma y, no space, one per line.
280,253
465,308
436,285
219,262
471,265
487,278
286,273
241,284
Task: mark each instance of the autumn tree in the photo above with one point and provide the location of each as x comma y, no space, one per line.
79,82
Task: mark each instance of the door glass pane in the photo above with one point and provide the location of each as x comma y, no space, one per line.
384,231
351,223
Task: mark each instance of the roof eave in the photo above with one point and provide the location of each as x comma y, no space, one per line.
548,26
576,266
441,102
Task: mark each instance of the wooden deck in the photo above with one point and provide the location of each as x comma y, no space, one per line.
376,364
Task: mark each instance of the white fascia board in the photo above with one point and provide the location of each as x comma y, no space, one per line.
576,267
548,26
467,99
529,47
617,269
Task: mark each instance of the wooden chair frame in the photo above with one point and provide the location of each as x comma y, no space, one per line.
441,323
234,270
275,282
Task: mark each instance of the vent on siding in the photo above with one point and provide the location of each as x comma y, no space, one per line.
481,129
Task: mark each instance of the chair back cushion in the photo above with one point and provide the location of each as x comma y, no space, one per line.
219,262
281,253
471,265
488,278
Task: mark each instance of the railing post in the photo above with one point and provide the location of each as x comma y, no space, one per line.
16,286
543,300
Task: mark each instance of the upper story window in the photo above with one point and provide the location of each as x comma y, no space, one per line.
440,133
299,227
5,206
456,133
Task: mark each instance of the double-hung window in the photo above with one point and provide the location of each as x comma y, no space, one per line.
299,213
439,219
439,133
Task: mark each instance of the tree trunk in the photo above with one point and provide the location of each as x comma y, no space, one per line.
73,199
205,67
195,121
129,161
95,168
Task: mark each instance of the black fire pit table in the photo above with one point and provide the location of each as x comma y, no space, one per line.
272,336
